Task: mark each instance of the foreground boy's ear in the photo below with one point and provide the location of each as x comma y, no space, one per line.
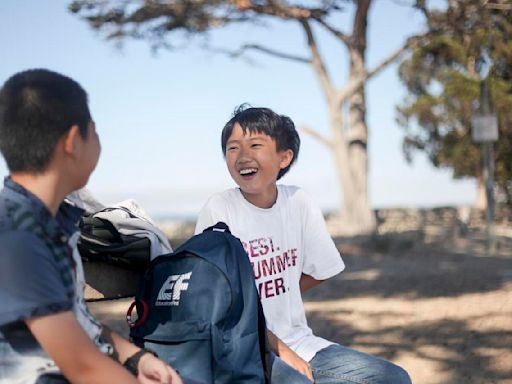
286,158
71,140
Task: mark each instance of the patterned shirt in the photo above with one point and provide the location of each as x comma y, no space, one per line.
40,274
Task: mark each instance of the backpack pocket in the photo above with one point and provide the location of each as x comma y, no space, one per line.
186,346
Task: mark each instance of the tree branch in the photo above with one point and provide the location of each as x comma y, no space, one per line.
318,136
359,28
241,50
422,7
354,84
411,43
275,8
316,61
340,35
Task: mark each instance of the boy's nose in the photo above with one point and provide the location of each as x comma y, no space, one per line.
243,160
243,156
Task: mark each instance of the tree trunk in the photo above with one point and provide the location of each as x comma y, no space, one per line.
349,147
356,216
360,214
339,150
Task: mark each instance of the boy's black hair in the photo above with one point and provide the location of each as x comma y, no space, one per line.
37,107
263,120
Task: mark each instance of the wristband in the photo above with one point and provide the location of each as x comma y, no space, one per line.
132,363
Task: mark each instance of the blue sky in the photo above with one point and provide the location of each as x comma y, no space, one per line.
159,117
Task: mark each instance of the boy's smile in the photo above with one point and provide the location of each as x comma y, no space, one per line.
254,163
248,172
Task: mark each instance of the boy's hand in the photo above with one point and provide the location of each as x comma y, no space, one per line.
292,359
286,354
153,370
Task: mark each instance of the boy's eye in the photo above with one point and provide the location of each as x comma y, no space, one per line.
256,145
232,148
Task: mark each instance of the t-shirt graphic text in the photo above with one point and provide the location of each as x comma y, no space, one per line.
268,264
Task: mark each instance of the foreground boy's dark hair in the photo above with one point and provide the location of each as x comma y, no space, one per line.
37,107
264,120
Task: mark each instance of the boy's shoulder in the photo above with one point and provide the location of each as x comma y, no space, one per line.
290,191
25,236
230,195
21,236
295,195
16,214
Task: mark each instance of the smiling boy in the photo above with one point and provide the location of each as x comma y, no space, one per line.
286,240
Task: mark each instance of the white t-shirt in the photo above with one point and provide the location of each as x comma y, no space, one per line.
282,242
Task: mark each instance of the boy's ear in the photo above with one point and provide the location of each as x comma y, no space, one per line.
286,158
71,140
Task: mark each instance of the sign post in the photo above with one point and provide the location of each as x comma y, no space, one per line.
485,131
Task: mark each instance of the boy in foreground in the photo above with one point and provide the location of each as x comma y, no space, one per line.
47,335
285,238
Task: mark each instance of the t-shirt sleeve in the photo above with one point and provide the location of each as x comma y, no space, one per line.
321,258
30,282
213,211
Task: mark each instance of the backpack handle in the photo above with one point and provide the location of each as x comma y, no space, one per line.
142,319
219,227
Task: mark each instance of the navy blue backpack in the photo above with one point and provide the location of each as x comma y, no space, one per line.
199,309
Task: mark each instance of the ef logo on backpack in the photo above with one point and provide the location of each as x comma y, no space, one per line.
170,292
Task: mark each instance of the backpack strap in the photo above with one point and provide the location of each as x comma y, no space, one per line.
265,353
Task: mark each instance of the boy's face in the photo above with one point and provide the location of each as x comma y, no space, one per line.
254,162
89,154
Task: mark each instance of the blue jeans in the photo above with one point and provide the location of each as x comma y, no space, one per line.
340,365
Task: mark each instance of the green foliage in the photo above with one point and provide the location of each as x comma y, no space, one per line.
468,41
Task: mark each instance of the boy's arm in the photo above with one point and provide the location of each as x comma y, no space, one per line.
62,337
79,359
307,282
286,354
322,260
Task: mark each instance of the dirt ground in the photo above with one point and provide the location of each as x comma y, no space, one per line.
442,310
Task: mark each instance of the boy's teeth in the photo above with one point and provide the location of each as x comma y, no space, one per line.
247,171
